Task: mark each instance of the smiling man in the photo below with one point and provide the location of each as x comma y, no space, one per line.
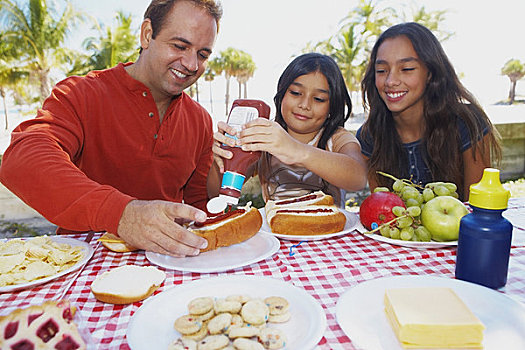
125,150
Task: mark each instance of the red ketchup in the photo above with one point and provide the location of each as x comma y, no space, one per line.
242,112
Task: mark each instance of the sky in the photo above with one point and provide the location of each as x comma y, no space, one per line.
487,34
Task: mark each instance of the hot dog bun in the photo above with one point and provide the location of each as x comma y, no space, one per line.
127,284
235,227
311,214
115,243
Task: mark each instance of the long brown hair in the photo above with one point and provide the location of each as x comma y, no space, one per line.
445,99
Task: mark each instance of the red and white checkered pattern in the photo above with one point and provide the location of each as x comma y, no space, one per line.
325,269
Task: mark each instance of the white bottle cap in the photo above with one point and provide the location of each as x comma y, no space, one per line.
219,204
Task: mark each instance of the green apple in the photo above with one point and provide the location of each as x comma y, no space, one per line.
441,216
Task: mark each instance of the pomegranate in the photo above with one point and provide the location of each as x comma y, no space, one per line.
378,208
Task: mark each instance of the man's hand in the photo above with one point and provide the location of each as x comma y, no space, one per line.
219,138
155,226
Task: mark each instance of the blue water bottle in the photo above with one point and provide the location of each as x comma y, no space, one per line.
485,235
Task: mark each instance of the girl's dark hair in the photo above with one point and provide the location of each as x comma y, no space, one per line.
445,98
158,9
340,103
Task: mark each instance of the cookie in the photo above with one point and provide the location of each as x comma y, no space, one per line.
220,323
187,324
199,335
230,306
206,316
243,332
277,305
279,318
255,312
238,297
213,342
183,344
272,338
247,344
237,320
200,306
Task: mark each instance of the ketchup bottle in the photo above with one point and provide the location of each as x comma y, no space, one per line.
242,112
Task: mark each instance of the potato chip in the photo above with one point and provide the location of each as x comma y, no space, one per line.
38,269
9,262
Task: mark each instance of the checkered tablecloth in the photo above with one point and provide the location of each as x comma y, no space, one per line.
325,269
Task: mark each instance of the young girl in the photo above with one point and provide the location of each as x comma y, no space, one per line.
423,124
306,148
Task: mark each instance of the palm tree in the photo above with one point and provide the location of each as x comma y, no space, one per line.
11,78
515,70
228,63
37,36
351,46
112,46
245,72
210,74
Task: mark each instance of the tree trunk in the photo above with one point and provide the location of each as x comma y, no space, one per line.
245,90
44,84
2,92
512,92
227,93
239,86
211,99
197,90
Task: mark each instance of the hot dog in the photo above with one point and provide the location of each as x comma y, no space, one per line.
229,228
314,198
312,214
309,220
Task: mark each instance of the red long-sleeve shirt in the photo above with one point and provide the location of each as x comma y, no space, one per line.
97,143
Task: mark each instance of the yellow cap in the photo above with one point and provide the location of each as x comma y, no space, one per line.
489,193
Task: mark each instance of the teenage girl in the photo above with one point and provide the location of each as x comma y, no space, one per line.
306,148
423,124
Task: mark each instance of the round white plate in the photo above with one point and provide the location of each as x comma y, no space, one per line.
151,326
410,244
257,248
88,253
360,312
352,221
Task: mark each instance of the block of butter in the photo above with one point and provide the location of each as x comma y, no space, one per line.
432,317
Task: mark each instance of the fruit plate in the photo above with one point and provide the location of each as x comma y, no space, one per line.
151,326
410,244
360,312
352,222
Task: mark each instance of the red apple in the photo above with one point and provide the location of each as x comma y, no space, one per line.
378,208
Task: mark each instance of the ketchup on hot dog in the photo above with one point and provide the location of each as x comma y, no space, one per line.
223,216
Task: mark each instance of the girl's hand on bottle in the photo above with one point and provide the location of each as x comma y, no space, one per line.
220,138
267,135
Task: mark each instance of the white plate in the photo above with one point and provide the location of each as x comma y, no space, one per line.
151,326
257,248
352,221
418,245
88,253
360,312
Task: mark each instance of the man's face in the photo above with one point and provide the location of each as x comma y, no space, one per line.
177,57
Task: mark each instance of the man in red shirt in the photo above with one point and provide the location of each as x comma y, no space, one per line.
121,150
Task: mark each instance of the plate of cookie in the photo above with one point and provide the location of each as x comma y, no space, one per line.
352,222
257,248
235,310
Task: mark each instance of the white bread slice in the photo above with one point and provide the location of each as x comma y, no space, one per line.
127,284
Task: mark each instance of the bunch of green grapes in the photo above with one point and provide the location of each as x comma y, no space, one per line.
407,224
